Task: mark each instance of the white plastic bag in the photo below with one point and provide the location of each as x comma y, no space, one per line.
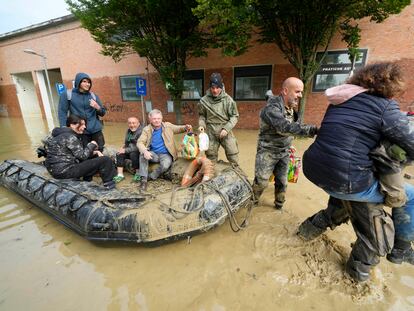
203,141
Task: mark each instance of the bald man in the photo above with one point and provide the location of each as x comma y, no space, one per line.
278,125
129,150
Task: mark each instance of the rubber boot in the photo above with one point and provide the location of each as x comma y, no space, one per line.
357,270
279,199
402,252
313,227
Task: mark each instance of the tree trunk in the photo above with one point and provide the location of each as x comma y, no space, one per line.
302,107
177,110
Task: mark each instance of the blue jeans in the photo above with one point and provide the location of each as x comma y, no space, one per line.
403,217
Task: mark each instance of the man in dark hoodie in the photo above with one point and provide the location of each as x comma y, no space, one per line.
67,158
218,115
278,125
82,102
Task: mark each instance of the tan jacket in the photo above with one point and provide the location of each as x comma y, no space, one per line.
168,131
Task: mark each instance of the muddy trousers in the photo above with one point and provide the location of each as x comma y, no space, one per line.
98,137
229,143
267,163
133,156
373,226
165,160
88,168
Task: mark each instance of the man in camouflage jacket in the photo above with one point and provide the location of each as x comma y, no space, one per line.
218,115
278,125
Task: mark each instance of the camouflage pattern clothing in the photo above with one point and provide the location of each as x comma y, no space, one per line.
64,149
215,114
278,125
66,158
389,160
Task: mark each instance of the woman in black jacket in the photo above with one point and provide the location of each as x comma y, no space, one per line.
67,158
361,114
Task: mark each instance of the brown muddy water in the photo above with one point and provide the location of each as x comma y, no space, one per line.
45,266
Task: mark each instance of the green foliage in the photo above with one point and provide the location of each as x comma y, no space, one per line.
229,22
164,31
299,28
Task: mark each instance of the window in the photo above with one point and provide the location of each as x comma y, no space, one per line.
129,88
251,83
335,69
170,106
148,106
193,84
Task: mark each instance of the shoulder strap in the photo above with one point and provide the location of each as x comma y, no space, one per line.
69,94
206,105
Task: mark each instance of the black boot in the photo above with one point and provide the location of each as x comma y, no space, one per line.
357,270
314,226
279,199
402,252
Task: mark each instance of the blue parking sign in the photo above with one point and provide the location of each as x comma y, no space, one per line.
60,88
141,85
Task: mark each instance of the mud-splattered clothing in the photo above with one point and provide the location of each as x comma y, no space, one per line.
277,128
66,157
339,159
215,114
341,162
168,131
131,149
372,241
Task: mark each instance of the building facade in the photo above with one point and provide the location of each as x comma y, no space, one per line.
64,48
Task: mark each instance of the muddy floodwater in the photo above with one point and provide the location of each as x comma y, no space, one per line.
45,266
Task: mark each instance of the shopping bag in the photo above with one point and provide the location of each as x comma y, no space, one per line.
295,164
189,147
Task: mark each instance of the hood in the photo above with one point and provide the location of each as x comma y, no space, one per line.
61,130
217,98
79,77
341,93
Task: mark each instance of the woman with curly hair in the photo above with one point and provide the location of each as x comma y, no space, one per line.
360,116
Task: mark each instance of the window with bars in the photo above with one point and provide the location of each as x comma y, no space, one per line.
335,69
252,82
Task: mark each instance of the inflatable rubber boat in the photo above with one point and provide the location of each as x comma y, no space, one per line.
165,212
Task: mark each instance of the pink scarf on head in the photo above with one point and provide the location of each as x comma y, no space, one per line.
341,93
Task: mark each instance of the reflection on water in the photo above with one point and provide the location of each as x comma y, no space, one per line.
19,139
45,266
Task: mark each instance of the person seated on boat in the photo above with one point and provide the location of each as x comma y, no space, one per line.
67,158
129,150
156,145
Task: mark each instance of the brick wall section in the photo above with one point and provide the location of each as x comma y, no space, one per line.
8,99
108,90
390,40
